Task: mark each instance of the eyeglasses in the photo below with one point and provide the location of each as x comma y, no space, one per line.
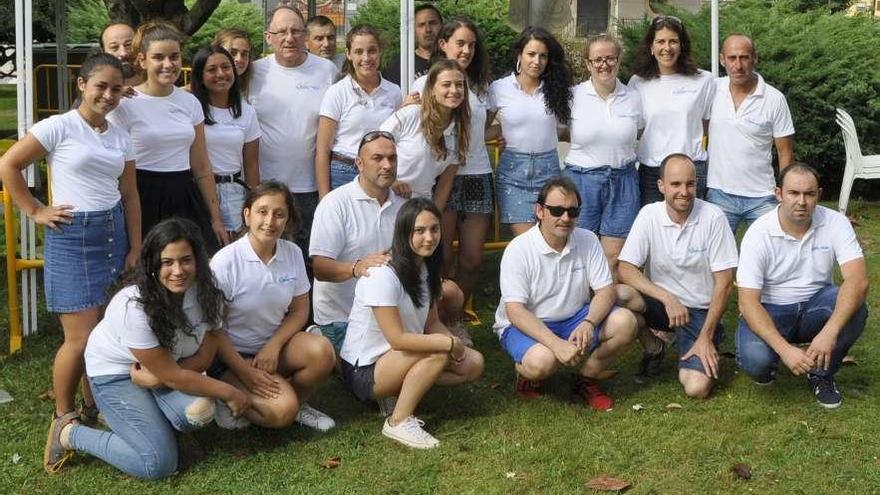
557,211
597,62
374,135
671,19
295,32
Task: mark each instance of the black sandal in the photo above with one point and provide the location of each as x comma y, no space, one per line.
55,454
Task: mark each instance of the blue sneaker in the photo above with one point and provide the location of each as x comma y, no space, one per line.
825,390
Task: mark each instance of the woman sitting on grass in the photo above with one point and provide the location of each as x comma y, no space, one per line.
145,360
396,344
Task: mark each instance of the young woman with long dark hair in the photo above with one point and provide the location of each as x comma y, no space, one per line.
396,344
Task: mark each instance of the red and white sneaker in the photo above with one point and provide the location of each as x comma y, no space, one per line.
592,394
527,389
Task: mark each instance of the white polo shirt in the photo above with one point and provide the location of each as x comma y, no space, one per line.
788,270
364,341
603,132
259,293
681,259
85,164
357,112
348,225
162,128
477,162
552,285
125,326
287,100
526,124
675,107
741,140
227,136
416,164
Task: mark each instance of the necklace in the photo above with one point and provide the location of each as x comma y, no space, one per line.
102,127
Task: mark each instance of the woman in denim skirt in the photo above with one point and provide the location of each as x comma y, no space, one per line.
94,220
531,104
232,132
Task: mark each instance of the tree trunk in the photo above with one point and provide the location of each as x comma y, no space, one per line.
134,12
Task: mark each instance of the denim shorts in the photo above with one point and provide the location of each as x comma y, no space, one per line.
609,198
231,195
686,336
83,259
335,333
519,179
472,194
359,380
517,344
341,173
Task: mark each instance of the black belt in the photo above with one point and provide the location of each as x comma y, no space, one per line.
342,158
236,178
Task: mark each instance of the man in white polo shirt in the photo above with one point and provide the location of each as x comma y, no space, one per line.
286,91
749,117
787,294
546,317
689,254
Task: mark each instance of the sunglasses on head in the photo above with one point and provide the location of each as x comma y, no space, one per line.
671,19
557,211
374,135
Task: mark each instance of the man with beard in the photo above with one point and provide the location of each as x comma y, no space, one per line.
688,253
428,22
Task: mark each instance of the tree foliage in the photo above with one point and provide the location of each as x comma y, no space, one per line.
187,17
230,14
85,20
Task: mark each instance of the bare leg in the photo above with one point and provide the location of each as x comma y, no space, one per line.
67,370
697,385
269,413
451,304
472,235
520,228
408,375
538,363
449,227
464,372
618,331
306,360
612,247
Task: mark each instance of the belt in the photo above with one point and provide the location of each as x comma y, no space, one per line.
236,178
342,158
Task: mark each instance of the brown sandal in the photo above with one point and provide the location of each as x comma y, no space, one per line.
54,454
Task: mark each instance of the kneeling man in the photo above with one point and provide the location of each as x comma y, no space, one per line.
787,294
689,254
546,316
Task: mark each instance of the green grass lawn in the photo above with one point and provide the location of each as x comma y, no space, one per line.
494,443
8,110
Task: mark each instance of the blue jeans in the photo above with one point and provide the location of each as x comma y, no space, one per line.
686,336
797,323
142,421
740,209
341,173
609,198
518,181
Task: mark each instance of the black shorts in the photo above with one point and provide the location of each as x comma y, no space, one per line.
359,380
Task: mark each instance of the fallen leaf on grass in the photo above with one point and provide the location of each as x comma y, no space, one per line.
638,407
513,475
742,470
332,463
48,395
605,483
674,405
494,385
849,360
15,458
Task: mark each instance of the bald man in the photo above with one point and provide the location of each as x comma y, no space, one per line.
116,39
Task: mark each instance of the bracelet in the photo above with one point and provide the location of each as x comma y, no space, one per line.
451,344
353,266
591,322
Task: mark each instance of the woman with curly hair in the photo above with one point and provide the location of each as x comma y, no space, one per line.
676,101
145,360
531,104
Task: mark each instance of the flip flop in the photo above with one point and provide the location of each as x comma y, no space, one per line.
54,454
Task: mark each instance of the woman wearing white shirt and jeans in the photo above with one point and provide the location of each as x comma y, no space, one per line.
676,100
358,103
396,344
232,132
94,220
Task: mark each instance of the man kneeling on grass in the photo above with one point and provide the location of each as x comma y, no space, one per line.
546,316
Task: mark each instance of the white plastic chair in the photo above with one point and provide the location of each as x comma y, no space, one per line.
858,166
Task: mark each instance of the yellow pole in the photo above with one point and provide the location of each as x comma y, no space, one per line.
11,276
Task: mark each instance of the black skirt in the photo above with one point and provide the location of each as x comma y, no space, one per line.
174,194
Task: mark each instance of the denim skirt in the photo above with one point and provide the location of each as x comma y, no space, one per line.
519,179
83,259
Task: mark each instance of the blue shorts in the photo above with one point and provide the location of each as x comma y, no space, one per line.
609,198
519,179
335,333
517,344
686,336
231,195
83,259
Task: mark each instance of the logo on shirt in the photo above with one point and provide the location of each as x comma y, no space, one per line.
286,279
578,268
822,248
683,91
112,147
696,249
307,86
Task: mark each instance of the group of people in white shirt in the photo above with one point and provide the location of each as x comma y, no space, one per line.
616,245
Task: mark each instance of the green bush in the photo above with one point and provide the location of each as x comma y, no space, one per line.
229,14
819,61
489,15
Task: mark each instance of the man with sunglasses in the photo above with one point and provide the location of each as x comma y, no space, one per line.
546,317
689,255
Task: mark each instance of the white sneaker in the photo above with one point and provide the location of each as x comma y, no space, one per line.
315,419
410,433
224,418
386,406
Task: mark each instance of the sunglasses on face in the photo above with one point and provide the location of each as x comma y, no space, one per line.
374,135
557,211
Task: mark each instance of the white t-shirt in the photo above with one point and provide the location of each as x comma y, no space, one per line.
679,259
526,124
788,270
287,100
552,285
416,164
675,107
364,341
259,294
603,132
85,164
125,326
227,136
357,112
741,140
477,162
348,225
162,128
